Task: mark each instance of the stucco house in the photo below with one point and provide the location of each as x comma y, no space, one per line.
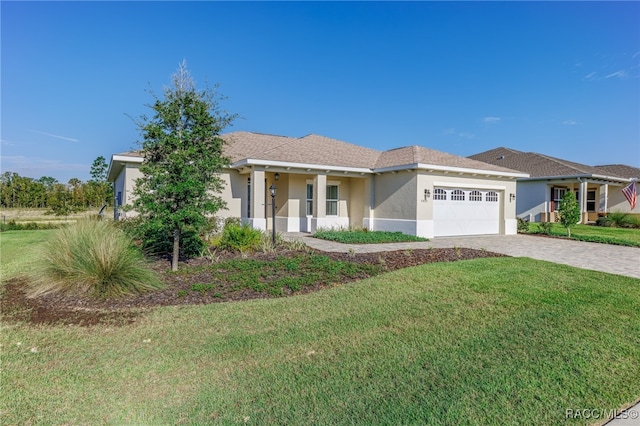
597,188
323,182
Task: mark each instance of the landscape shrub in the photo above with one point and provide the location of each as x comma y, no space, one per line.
523,226
29,226
156,239
360,236
619,219
545,227
95,259
242,238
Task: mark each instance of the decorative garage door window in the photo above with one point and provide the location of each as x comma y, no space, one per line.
466,211
439,194
457,195
475,196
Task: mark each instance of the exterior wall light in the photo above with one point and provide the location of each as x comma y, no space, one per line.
512,197
427,194
276,176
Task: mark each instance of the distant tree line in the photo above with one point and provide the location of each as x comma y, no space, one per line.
58,198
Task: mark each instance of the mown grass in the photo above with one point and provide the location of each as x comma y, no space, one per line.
487,342
18,251
364,236
595,234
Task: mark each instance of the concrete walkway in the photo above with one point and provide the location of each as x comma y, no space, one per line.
594,256
609,258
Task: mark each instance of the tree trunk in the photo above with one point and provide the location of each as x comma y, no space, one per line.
176,249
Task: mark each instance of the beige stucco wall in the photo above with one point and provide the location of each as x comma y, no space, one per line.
395,195
618,202
399,203
234,193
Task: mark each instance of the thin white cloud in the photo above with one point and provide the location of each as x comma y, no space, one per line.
591,76
635,55
6,142
450,131
55,136
491,119
618,74
466,135
569,122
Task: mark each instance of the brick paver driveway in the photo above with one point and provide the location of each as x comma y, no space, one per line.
599,257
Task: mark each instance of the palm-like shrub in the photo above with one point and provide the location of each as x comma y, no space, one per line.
95,259
242,238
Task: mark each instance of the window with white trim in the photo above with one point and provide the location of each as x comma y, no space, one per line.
309,199
591,201
439,194
332,200
475,196
457,195
492,197
557,194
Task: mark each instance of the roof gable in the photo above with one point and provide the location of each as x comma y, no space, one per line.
412,155
537,165
620,170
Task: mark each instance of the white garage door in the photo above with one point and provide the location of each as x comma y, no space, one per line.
465,212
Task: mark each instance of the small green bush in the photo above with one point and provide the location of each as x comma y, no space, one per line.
360,236
95,259
156,238
523,226
618,220
29,226
545,227
242,238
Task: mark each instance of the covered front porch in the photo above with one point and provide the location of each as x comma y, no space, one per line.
305,199
593,196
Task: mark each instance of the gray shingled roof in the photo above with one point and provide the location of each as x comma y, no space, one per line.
539,165
310,149
322,151
621,170
420,155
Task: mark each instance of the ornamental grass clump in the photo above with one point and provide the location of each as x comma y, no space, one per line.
93,258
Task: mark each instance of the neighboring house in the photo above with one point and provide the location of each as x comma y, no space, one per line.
323,182
597,188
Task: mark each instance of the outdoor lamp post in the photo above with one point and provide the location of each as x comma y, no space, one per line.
272,189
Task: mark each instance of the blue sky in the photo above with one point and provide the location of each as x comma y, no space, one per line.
558,78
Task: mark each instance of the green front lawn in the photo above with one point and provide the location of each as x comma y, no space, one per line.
597,234
486,341
364,236
18,250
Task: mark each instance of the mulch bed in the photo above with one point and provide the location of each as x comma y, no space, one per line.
57,309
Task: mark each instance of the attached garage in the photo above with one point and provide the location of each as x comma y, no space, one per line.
460,211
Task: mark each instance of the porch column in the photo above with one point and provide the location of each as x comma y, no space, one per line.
257,219
604,198
582,194
369,203
320,205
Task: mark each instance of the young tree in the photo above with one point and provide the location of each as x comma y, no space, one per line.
569,211
183,157
99,170
100,191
